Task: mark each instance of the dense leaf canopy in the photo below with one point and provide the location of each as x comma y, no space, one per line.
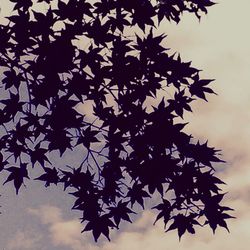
57,60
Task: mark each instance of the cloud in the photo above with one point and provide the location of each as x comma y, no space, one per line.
67,233
153,237
62,232
143,235
24,240
47,214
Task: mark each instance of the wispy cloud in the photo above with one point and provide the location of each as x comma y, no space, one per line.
143,235
153,237
24,240
47,214
62,232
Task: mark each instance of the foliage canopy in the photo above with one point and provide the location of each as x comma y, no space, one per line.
107,53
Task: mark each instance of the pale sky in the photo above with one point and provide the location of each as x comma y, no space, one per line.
40,219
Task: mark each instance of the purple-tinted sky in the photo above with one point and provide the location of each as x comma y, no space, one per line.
40,219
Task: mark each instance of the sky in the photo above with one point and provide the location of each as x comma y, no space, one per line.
40,219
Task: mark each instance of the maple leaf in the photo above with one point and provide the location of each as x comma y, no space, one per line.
12,105
11,79
78,179
38,155
17,174
207,182
214,212
100,226
204,154
199,88
165,209
59,140
88,137
183,223
50,176
137,194
119,212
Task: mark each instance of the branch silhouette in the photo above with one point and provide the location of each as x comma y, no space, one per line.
107,53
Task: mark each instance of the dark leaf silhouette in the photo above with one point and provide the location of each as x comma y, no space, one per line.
137,194
165,211
199,88
38,155
121,211
100,226
2,162
215,213
17,174
96,79
50,176
183,223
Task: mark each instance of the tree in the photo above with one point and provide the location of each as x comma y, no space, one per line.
107,53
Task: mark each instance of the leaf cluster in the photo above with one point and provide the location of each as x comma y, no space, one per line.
78,52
